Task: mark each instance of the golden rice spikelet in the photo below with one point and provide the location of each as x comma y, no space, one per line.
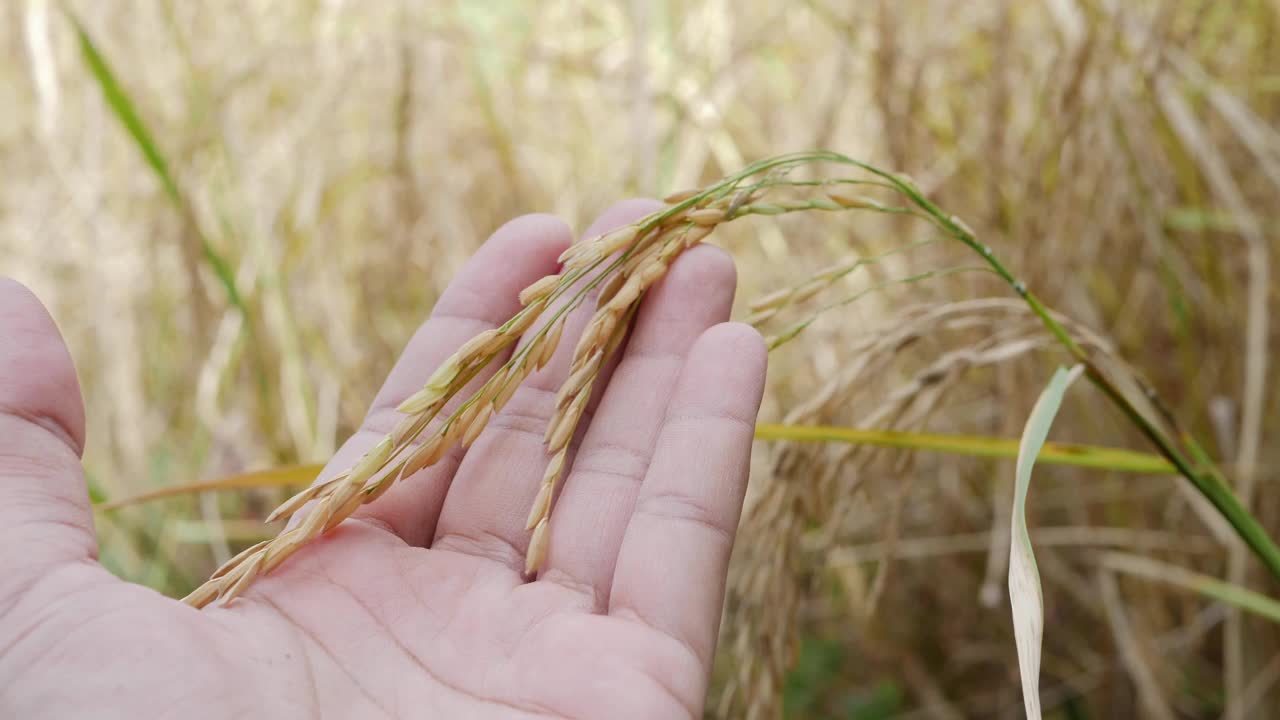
680,196
706,216
579,378
550,477
597,332
539,290
234,562
609,288
696,234
435,389
370,462
406,429
537,553
845,199
477,423
344,504
562,431
290,506
510,383
588,253
244,575
524,319
627,294
541,504
483,345
545,346
281,548
616,240
426,454
203,595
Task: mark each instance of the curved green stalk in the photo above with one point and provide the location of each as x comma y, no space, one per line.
1207,481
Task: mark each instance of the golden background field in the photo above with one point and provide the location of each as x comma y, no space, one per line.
344,158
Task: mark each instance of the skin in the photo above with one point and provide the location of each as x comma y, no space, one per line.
417,606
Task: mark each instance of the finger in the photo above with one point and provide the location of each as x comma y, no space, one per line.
599,495
485,511
675,553
45,518
483,295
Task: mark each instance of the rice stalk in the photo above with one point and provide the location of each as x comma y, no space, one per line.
640,254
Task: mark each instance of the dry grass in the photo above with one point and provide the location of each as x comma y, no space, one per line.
345,158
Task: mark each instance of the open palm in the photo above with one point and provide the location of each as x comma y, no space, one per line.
417,605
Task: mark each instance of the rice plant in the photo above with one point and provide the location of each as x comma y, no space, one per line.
239,216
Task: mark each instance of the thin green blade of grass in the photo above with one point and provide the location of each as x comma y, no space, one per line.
125,110
1206,585
1090,456
1026,598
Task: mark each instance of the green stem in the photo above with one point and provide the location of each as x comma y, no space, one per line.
1209,482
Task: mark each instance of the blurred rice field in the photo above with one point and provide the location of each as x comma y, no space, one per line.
342,159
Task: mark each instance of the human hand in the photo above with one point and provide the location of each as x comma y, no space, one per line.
416,606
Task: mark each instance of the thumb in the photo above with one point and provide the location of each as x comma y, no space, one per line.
45,519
